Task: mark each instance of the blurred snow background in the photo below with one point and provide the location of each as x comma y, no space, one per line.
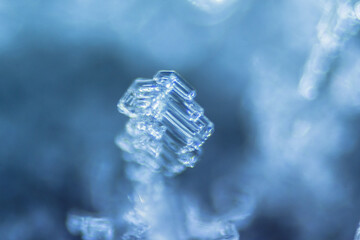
65,64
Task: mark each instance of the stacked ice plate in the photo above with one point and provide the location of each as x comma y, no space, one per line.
167,127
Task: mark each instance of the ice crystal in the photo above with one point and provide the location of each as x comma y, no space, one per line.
167,127
165,133
163,136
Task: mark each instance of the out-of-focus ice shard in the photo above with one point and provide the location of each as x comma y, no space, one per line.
340,20
167,127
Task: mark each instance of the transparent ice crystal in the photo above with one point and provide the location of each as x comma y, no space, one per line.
163,136
167,127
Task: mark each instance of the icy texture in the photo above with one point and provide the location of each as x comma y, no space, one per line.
91,228
167,127
340,21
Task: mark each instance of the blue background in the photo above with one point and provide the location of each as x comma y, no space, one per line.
65,64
